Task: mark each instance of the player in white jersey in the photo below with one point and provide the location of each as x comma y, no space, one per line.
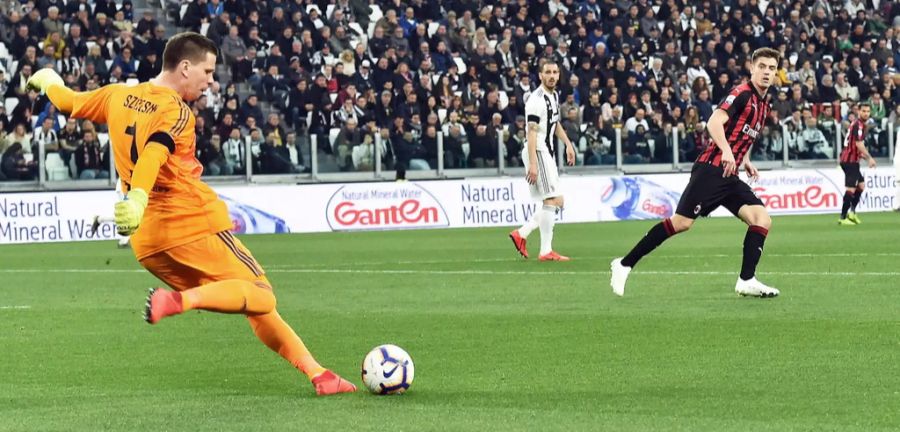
539,157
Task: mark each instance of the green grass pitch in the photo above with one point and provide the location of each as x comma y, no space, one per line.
499,343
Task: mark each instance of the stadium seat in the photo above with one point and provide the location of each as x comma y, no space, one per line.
103,138
329,10
460,64
442,114
204,28
432,28
11,103
56,168
4,53
502,100
356,29
182,11
332,136
108,64
376,13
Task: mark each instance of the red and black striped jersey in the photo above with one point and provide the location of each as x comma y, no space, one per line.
855,135
747,112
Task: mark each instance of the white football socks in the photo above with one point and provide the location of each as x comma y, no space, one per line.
531,225
547,220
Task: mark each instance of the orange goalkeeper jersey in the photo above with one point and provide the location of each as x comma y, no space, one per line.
182,208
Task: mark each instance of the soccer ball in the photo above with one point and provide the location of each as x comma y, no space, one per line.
387,369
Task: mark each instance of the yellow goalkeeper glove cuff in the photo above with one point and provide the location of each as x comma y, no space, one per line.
43,79
130,211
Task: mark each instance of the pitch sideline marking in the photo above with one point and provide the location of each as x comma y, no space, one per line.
496,260
19,307
472,272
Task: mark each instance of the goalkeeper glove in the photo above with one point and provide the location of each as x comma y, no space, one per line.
130,211
43,79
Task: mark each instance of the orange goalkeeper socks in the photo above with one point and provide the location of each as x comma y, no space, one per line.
279,337
229,296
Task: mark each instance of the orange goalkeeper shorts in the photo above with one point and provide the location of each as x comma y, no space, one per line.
210,259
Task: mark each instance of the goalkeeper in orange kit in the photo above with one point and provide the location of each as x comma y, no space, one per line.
179,226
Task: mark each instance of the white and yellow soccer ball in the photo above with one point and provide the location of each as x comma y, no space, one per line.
387,369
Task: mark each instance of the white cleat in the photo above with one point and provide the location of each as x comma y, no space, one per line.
619,276
754,288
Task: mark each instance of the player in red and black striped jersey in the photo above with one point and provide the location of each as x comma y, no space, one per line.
854,148
734,126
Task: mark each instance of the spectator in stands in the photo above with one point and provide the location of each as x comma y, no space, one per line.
52,23
482,145
274,157
812,143
845,91
234,152
878,108
48,57
233,46
121,22
212,158
349,137
147,23
46,136
14,166
90,159
54,40
218,27
17,85
126,62
251,108
637,148
21,136
273,126
149,67
638,120
68,64
69,138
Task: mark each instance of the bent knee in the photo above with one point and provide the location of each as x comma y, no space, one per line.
555,201
260,300
681,224
764,221
265,304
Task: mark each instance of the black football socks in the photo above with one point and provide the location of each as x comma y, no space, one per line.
655,237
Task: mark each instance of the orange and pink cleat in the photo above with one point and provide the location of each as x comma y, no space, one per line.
160,304
553,256
329,383
519,243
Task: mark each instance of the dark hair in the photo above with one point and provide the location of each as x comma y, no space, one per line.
767,53
188,46
862,105
545,62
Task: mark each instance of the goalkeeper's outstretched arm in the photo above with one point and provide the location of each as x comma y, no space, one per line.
129,211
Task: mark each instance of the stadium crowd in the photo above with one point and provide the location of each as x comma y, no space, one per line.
357,73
